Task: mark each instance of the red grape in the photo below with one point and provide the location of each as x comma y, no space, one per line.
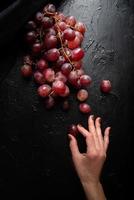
70,20
52,54
39,78
41,64
31,25
73,44
61,16
61,60
26,70
44,90
82,95
28,60
36,48
85,80
84,108
49,75
61,25
77,54
50,31
47,22
79,26
73,130
49,102
50,42
73,77
49,8
79,35
65,105
106,86
77,64
38,17
66,92
60,77
66,68
58,87
80,72
30,37
69,34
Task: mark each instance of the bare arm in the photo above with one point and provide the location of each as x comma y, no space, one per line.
89,164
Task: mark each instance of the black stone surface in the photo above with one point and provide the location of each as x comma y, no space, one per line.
35,160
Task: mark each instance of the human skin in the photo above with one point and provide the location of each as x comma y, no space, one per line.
89,165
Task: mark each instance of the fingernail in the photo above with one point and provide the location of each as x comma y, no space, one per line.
92,117
79,125
100,120
69,137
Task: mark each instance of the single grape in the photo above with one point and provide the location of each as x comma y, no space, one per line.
49,75
61,25
73,44
39,78
42,64
84,108
82,95
50,42
66,68
38,17
50,31
73,77
65,105
60,16
50,8
69,34
79,26
44,90
52,55
49,102
66,92
77,64
31,37
79,35
58,87
106,86
71,21
85,80
77,54
61,77
28,60
61,60
26,70
80,72
36,48
31,25
73,130
47,22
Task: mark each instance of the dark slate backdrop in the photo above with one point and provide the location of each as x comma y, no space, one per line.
35,161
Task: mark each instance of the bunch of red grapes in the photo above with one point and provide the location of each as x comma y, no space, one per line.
55,57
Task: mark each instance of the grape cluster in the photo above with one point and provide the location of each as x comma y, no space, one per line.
55,57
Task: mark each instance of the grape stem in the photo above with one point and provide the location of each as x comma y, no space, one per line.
62,44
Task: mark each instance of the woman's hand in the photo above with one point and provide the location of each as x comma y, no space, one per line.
89,164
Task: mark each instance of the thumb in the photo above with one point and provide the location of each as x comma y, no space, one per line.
73,145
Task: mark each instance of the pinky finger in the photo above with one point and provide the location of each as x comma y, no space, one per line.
106,138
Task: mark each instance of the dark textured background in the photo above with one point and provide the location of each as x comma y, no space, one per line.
35,161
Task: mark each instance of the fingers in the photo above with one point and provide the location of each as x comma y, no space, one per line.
91,126
98,131
92,129
106,138
89,138
73,146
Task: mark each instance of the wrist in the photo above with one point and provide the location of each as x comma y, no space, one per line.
93,190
